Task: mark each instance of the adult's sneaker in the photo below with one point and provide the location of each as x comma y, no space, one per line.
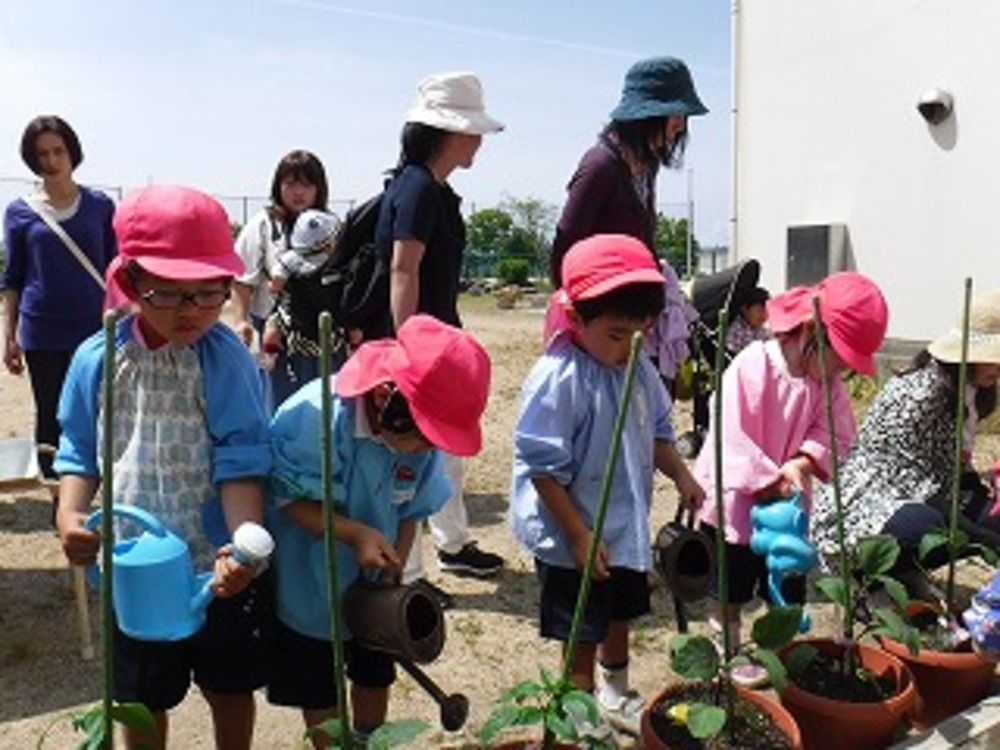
470,559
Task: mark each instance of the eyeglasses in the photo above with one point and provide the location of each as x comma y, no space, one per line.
395,416
211,299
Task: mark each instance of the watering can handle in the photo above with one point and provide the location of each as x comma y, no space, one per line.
134,513
679,516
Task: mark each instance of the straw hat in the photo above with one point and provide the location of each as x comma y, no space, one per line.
984,334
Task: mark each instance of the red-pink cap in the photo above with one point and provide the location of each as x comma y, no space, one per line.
851,307
604,262
443,372
174,232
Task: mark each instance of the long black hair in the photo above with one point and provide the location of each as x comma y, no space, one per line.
635,135
418,143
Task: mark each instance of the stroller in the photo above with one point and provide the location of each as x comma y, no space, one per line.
710,295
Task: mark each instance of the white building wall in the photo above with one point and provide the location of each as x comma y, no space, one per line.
826,131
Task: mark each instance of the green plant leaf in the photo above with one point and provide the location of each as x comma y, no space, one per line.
522,691
877,554
833,589
777,627
696,659
704,720
330,728
561,727
583,705
799,657
986,553
776,671
506,715
396,733
135,716
931,541
895,627
895,590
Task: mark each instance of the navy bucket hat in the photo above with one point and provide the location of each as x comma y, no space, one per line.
658,87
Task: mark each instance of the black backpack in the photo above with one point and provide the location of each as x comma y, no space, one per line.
352,284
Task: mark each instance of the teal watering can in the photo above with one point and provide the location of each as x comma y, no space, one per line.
780,534
156,594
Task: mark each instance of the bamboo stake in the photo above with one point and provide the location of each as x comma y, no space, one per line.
602,508
721,573
107,532
325,330
956,479
845,568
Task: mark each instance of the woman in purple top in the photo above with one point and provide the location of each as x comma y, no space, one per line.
613,190
51,300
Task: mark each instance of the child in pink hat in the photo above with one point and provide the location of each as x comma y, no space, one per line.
569,404
397,404
190,445
774,430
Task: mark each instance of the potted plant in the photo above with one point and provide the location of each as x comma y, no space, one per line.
709,711
950,676
566,713
845,694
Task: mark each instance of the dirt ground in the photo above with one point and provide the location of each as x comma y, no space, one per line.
492,640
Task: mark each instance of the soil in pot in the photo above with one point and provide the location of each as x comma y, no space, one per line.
748,727
825,675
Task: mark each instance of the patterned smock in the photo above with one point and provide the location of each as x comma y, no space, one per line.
904,454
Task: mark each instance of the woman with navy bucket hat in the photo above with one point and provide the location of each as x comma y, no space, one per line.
614,187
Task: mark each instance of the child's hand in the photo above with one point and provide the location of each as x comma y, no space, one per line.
79,543
793,476
580,545
275,284
690,493
375,553
230,577
271,341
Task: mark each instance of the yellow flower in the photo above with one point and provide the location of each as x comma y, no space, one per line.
679,713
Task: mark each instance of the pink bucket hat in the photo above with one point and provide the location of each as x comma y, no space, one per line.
851,307
604,262
443,372
173,232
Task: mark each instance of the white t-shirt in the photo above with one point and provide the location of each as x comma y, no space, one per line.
259,244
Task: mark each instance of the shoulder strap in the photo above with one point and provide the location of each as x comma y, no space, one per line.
39,207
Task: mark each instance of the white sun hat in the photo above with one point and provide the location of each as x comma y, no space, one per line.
453,102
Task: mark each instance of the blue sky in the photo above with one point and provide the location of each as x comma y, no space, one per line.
211,93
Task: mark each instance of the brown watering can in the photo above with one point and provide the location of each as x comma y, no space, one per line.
685,558
403,620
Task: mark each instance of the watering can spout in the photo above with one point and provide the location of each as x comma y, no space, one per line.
204,595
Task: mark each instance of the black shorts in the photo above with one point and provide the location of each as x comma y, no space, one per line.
231,654
622,597
748,575
302,676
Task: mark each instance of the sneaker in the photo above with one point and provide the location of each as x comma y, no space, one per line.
749,675
625,715
443,598
471,559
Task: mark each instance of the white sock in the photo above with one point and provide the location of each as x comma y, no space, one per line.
612,683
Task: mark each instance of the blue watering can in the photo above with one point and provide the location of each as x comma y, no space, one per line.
780,534
157,595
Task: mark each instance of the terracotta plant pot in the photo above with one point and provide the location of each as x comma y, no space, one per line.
829,724
781,717
946,681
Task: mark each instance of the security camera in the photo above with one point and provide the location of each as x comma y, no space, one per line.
935,105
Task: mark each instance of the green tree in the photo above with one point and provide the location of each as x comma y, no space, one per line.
536,220
488,230
671,244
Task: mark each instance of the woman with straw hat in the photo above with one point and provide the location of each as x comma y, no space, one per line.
896,478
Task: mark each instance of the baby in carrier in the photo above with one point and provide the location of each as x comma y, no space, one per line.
291,275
